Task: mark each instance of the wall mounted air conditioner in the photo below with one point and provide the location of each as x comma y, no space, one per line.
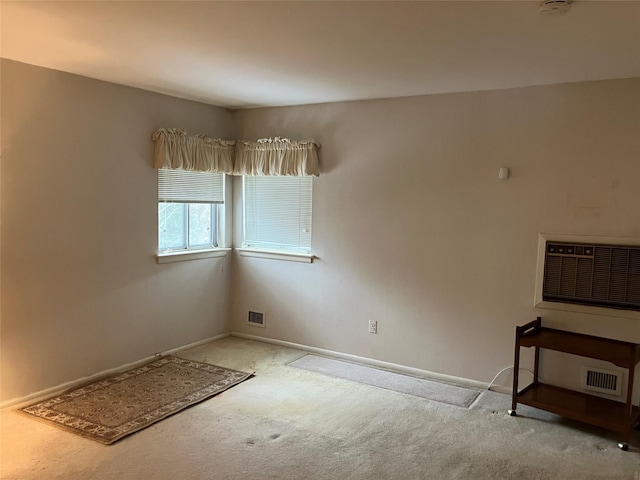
592,274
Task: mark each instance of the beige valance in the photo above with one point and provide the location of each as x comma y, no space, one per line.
277,157
175,149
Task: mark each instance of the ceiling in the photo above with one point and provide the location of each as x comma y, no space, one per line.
251,54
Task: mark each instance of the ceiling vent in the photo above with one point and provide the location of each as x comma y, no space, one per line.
554,7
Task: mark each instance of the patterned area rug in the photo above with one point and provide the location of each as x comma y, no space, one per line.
117,406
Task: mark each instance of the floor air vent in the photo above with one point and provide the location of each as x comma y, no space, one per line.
256,318
603,381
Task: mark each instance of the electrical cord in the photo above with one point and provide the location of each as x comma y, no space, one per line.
504,370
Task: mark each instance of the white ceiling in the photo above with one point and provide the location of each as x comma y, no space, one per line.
248,54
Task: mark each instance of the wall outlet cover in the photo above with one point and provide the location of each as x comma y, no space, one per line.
373,326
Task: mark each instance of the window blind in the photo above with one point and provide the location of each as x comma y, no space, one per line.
277,213
187,186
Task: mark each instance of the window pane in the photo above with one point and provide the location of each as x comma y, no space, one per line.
200,224
171,225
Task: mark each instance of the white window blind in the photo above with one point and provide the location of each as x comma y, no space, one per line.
185,186
277,213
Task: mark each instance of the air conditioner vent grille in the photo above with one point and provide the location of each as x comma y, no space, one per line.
599,275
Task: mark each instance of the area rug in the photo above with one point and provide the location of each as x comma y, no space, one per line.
117,406
420,387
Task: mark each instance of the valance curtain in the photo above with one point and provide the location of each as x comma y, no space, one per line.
276,157
174,149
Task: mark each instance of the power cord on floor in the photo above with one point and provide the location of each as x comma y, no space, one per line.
504,370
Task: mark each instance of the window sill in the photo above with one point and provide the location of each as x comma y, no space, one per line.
275,255
184,255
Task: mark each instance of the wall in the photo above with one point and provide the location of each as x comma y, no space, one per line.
81,291
414,229
411,225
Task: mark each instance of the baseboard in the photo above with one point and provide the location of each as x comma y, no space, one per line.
50,392
465,382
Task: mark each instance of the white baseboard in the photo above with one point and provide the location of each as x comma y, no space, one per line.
50,392
466,382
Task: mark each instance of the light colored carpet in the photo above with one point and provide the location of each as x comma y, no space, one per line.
287,423
119,405
420,387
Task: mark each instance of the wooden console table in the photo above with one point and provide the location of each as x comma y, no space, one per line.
602,412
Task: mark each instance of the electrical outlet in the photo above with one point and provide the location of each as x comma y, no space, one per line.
373,326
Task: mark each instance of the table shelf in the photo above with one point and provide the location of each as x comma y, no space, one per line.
583,407
602,412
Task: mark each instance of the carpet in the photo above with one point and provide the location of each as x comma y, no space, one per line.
419,387
112,408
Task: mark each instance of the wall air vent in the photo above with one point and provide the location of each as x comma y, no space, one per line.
592,274
603,381
256,318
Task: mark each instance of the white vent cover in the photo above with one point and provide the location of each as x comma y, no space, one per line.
602,381
255,318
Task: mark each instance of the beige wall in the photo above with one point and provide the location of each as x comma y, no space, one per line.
81,292
414,229
411,225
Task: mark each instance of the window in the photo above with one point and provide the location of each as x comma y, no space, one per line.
277,213
186,225
188,209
